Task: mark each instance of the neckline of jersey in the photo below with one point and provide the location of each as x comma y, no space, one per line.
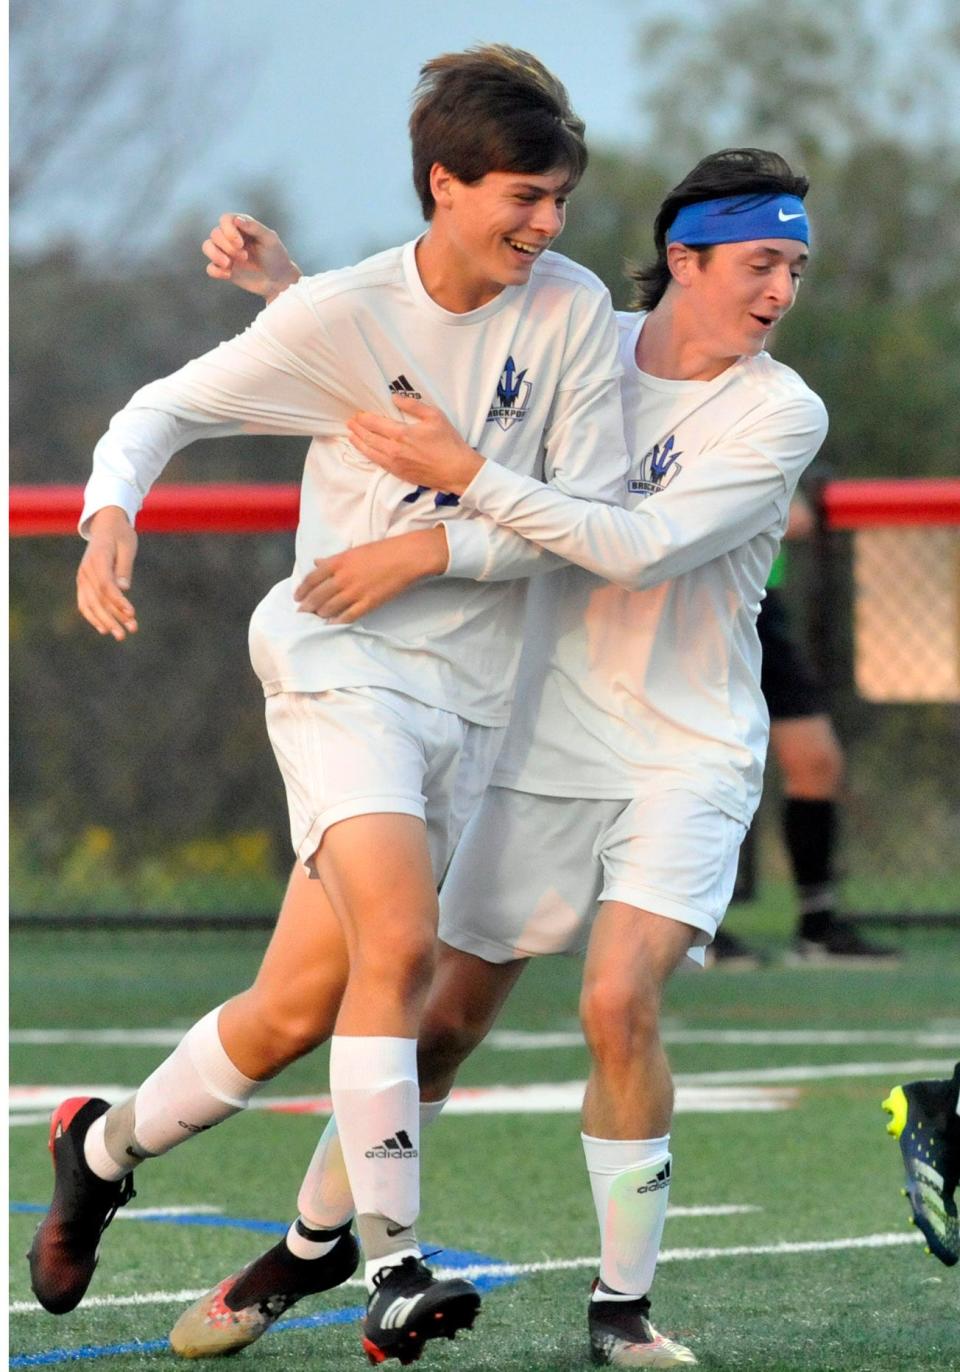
426,302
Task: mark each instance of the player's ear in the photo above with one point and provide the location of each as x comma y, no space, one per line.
441,186
681,262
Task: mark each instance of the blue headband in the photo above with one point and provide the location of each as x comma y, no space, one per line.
741,219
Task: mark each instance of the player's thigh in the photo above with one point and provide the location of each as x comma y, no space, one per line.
360,751
671,855
378,874
306,964
525,876
467,993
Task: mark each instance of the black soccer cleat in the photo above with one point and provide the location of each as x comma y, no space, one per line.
242,1307
621,1335
841,945
925,1123
64,1252
409,1305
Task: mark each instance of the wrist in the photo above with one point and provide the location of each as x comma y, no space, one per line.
466,471
108,514
278,285
434,551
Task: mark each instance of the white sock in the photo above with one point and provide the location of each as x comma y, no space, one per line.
325,1200
373,1083
630,1179
307,1245
374,1265
196,1087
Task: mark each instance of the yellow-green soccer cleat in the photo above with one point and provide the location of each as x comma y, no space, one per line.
923,1119
241,1308
621,1335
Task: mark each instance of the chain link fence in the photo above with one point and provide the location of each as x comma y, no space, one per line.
876,603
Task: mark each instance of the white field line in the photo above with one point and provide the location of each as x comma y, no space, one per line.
565,1097
523,1040
899,1070
525,1269
159,1212
518,1040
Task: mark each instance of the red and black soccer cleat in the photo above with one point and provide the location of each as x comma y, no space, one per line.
63,1255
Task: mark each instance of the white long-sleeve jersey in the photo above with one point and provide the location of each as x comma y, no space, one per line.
530,379
654,682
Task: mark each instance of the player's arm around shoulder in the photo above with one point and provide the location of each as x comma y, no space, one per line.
584,445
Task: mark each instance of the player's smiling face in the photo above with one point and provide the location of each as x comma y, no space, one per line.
495,229
743,289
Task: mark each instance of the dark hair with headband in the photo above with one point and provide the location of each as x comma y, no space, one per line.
734,171
492,108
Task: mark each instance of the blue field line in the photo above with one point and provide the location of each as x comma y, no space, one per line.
113,1350
449,1257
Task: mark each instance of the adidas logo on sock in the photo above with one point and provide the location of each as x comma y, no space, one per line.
399,1147
401,386
661,1180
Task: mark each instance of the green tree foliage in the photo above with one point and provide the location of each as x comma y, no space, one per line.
876,329
159,739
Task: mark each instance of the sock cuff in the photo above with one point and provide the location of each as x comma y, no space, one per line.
608,1157
370,1062
222,1078
430,1110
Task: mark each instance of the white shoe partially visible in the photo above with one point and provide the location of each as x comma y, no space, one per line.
621,1335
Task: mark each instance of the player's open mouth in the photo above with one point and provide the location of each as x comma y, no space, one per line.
766,320
525,249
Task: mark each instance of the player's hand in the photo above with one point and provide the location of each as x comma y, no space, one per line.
343,588
248,254
105,573
424,448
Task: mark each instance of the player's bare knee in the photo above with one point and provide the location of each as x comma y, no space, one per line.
287,1029
447,1037
619,1019
398,956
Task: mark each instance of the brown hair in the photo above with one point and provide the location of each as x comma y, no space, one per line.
734,171
492,108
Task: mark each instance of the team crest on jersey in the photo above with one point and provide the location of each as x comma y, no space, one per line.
513,396
657,469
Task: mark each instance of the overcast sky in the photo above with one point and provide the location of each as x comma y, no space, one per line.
313,97
325,109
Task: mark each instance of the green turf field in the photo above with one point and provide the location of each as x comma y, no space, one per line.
510,1188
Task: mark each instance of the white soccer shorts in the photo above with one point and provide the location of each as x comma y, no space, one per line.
531,871
364,750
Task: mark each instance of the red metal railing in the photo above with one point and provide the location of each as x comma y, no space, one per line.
235,507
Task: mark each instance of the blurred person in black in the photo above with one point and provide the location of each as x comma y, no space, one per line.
811,761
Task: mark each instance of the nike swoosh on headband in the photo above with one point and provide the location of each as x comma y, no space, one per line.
785,218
